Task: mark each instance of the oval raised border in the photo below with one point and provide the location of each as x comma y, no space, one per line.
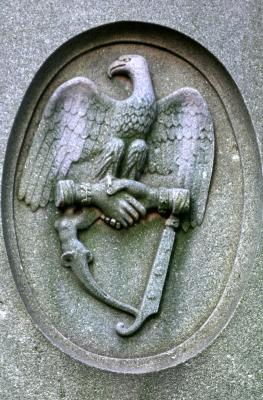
207,65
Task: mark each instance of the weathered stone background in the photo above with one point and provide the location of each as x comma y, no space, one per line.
31,368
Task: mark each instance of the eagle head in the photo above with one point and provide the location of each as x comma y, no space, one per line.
131,65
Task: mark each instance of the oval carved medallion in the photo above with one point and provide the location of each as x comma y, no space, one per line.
131,198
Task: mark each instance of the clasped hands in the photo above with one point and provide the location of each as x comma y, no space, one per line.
123,201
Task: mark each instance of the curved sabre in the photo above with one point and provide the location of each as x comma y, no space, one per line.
153,293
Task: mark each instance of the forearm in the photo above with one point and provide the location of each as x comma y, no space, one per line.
164,200
175,201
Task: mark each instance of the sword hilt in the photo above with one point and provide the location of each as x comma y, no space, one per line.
173,222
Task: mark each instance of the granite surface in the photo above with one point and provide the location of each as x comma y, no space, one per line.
31,368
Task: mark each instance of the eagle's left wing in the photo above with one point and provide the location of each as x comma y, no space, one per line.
181,147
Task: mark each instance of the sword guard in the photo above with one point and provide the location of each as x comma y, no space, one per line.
172,222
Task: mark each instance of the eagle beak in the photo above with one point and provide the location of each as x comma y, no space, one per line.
115,67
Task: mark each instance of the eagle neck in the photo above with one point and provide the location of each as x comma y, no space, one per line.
142,87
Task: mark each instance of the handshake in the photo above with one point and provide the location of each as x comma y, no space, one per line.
122,201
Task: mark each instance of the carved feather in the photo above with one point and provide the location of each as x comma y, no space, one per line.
181,146
75,117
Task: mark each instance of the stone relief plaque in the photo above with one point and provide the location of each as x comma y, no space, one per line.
130,215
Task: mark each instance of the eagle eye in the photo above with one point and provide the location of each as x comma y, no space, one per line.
125,59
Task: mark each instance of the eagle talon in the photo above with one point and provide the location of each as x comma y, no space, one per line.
118,225
111,222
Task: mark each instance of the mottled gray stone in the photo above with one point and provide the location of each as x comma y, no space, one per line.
30,366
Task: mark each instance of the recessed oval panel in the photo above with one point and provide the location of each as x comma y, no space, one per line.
208,264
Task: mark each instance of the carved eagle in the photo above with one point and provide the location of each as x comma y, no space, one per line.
172,137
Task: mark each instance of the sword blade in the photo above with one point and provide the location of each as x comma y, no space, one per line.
154,289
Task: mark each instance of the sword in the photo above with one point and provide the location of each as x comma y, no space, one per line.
153,293
76,255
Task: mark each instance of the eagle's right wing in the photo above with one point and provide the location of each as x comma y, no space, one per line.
75,116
